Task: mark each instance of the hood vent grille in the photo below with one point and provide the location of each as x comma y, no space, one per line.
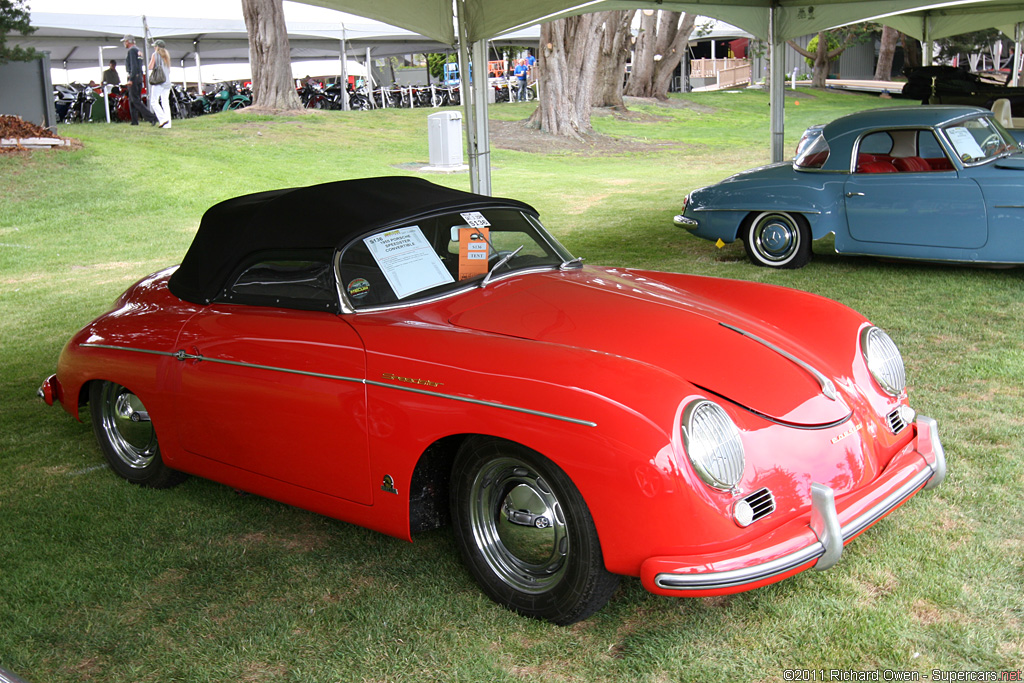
896,422
762,503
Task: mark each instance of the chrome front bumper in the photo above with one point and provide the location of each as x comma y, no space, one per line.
828,534
684,222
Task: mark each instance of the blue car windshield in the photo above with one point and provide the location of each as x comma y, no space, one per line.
979,140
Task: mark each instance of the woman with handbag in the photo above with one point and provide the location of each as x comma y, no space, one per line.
160,83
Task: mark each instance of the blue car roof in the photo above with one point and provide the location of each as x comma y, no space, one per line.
928,115
841,133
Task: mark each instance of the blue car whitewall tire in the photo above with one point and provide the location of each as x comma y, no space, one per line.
777,239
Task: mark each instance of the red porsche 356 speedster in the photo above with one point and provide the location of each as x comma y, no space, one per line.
401,356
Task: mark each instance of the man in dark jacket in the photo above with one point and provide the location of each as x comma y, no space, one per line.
134,66
110,76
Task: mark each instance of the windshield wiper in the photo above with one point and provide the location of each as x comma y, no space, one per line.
502,261
572,263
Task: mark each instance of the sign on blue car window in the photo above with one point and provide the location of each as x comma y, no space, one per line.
964,143
407,260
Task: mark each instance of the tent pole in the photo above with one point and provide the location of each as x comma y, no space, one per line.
199,69
1018,38
926,42
466,92
344,72
106,88
481,82
776,86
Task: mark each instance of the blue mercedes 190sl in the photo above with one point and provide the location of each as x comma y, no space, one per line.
932,183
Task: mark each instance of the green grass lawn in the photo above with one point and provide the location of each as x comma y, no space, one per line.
104,581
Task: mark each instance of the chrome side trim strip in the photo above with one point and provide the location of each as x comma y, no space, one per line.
181,355
490,404
805,211
827,387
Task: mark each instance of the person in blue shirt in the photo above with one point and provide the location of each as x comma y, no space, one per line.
521,71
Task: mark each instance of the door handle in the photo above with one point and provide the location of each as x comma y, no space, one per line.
854,194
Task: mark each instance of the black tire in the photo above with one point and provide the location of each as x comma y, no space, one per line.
526,534
127,437
777,239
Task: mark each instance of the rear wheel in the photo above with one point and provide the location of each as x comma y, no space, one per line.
777,239
525,533
126,435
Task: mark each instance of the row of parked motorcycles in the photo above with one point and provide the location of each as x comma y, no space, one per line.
77,103
317,96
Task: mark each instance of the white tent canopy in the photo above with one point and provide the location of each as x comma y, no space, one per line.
211,32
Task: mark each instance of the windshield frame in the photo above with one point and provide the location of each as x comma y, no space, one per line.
559,256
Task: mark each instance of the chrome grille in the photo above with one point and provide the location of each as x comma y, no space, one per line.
762,502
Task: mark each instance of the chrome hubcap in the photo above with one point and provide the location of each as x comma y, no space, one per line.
518,525
127,426
776,237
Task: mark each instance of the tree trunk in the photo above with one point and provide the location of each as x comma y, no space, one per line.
269,55
911,52
610,73
822,57
658,51
883,70
565,70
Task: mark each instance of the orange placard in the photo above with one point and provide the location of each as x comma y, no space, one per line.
473,252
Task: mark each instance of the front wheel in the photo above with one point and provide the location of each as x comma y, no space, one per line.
777,239
526,534
125,433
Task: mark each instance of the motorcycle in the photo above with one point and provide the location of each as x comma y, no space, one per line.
229,96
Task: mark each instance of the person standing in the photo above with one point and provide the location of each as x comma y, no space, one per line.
521,72
160,93
110,76
133,64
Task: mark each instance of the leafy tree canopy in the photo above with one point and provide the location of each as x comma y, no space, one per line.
974,42
14,18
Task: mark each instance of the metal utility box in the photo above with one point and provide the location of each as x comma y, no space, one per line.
444,134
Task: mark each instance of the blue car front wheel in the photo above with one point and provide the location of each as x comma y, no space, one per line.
778,239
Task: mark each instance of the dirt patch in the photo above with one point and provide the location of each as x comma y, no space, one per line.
16,129
516,135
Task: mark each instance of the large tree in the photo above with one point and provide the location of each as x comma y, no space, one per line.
610,72
826,48
659,49
269,55
14,18
565,70
886,52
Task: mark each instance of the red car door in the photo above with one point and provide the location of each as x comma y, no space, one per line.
277,392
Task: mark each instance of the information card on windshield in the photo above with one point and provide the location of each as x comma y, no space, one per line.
408,261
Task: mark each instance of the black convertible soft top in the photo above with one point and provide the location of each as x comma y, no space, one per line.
325,216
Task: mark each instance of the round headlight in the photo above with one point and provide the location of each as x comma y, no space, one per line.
884,360
713,444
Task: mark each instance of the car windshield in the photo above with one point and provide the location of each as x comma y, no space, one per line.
979,140
435,256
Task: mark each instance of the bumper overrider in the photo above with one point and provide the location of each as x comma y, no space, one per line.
815,541
684,222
